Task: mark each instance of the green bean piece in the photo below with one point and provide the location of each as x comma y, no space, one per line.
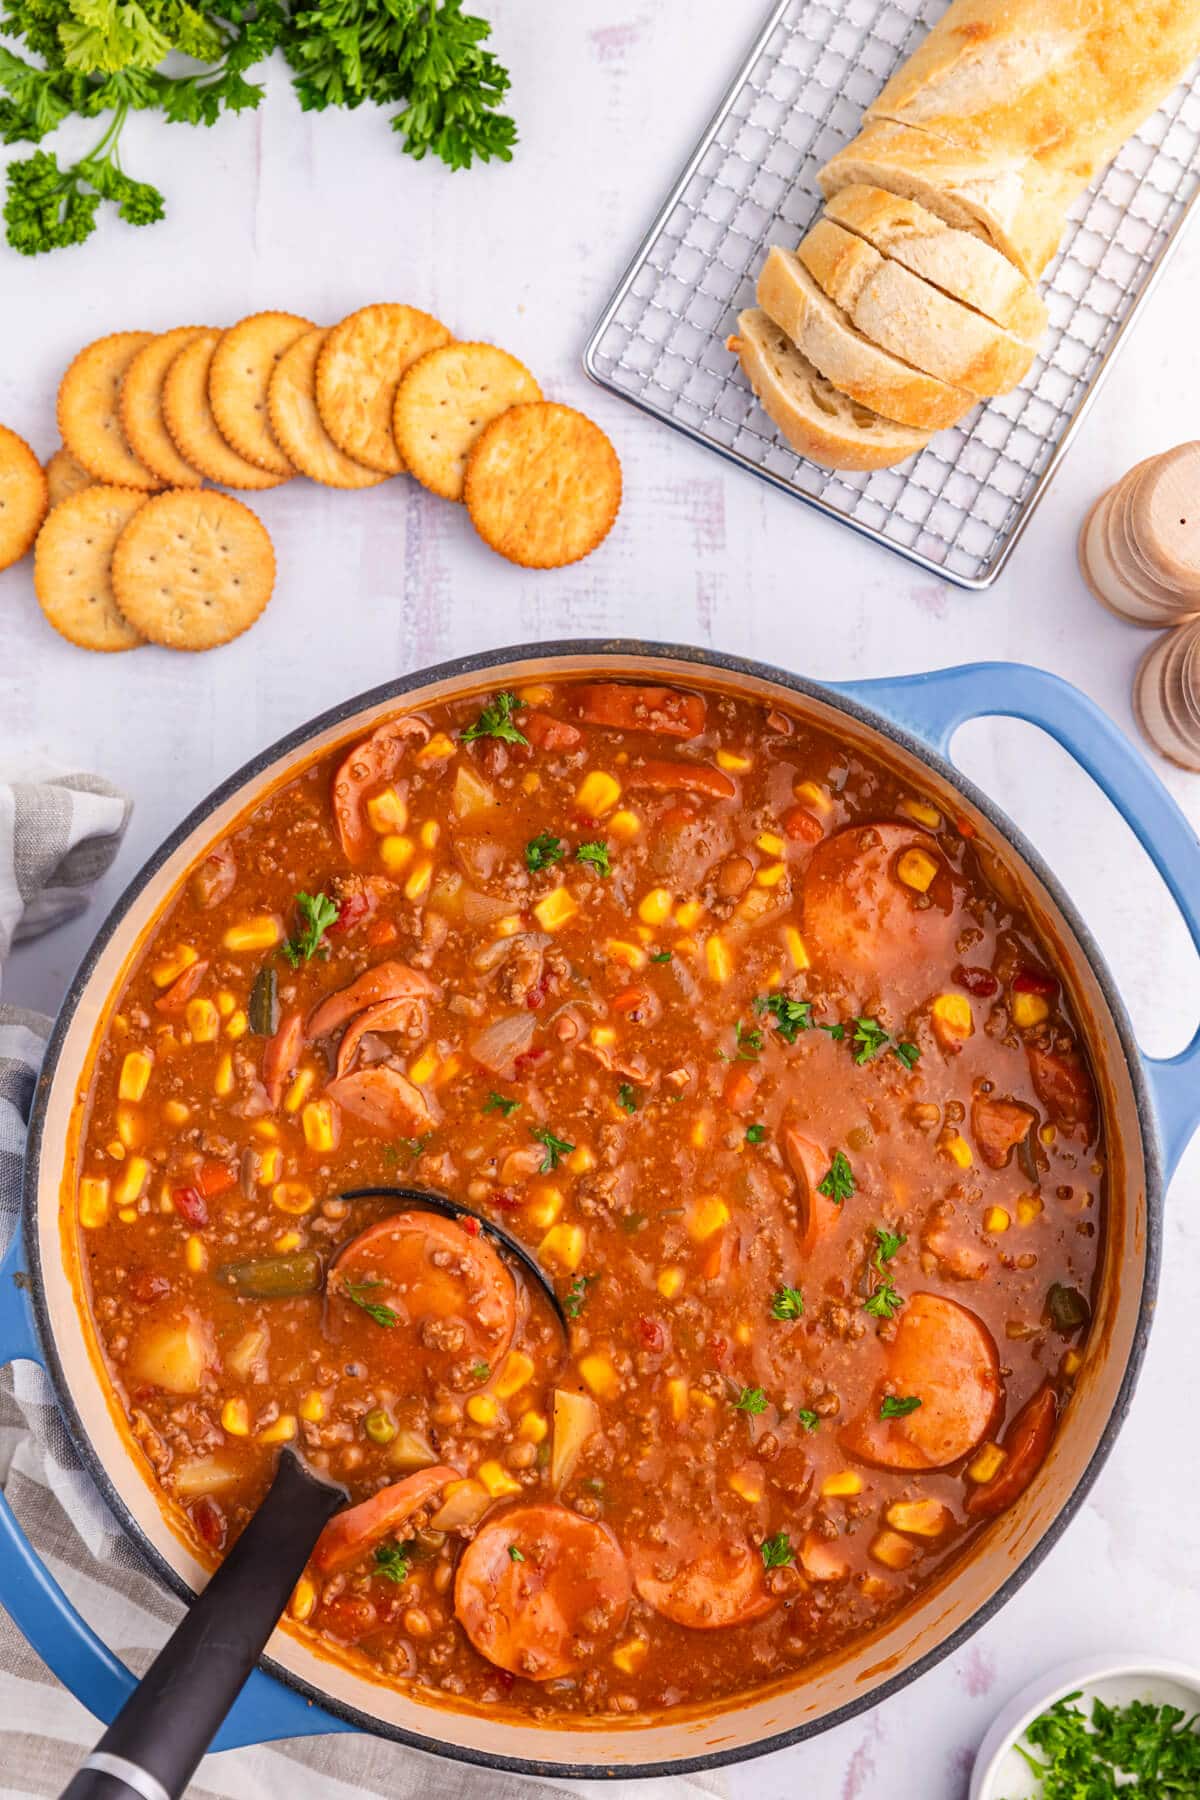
264,1003
1067,1308
274,1277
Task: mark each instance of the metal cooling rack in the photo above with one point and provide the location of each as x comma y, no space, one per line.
959,508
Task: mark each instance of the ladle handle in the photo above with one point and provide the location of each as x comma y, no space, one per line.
152,1747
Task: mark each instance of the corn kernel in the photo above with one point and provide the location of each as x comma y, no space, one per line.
134,1177
597,794
1047,1133
795,947
952,1017
172,967
448,1068
497,1480
223,1079
203,1020
598,1374
706,1216
127,1215
116,1150
688,914
654,908
235,1418
770,843
266,1129
483,1409
813,795
292,1197
732,763
986,1464
920,1518
632,956
281,1432
746,1486
743,1334
226,1002
771,875
437,749
270,1166
135,1076
299,1091
564,1245
677,1397
387,812
1028,1010
536,694
312,1407
602,1036
698,1397
130,1127
93,1202
533,1427
916,869
304,1599
174,1112
1072,1362
395,852
717,958
892,1550
531,782
509,925
419,880
425,1066
237,1025
699,1132
581,1160
958,1149
516,1372
195,1254
670,1282
429,834
554,909
1029,1208
629,1656
923,813
262,932
543,1206
842,1485
625,825
996,1219
287,1241
320,1124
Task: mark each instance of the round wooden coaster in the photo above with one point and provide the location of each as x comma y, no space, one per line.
1103,577
1165,517
1151,575
1158,696
1160,596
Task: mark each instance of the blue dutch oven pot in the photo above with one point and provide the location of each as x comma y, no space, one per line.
1151,1108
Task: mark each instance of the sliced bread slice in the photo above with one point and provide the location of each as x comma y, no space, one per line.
857,367
1004,197
895,308
958,262
818,422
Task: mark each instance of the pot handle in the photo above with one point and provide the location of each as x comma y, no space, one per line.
264,1710
933,706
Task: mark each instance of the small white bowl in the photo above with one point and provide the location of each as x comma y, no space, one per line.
1001,1773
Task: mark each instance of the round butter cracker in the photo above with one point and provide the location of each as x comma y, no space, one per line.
23,497
543,485
72,567
296,423
358,370
443,403
242,365
89,411
65,475
193,569
141,407
190,421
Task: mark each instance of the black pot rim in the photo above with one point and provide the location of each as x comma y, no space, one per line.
708,663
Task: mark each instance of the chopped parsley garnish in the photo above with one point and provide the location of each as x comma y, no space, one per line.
884,1302
870,1038
888,1244
627,1098
413,1147
317,913
357,1291
808,1418
596,854
787,1303
791,1016
576,1294
515,1555
837,1032
777,1551
555,1147
838,1184
751,1400
480,1371
498,1103
755,1134
661,956
496,721
1156,1746
909,1055
898,1406
543,850
748,1041
392,1561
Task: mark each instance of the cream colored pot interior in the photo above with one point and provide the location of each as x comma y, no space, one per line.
818,1690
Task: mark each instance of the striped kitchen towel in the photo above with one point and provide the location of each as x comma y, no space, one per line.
57,836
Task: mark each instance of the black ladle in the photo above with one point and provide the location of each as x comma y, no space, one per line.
152,1747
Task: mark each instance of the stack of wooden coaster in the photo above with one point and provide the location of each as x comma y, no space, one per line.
1139,549
1166,695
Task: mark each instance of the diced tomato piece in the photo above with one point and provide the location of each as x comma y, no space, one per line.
215,1178
548,733
718,1347
980,982
380,932
685,778
1029,980
964,828
537,994
800,825
191,1206
182,988
629,1000
506,1200
738,1092
470,1226
651,1334
523,1063
352,910
663,711
209,1519
1026,1443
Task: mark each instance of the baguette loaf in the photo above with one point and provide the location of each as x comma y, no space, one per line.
958,262
1062,82
1005,198
860,369
817,421
895,308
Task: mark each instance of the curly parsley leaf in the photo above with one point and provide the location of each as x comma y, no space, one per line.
751,1400
870,1038
883,1302
791,1016
317,913
393,1561
838,1184
595,854
499,1103
576,1294
898,1406
787,1303
555,1147
495,721
888,1245
627,1097
515,1555
777,1551
755,1134
1156,1748
543,850
808,1418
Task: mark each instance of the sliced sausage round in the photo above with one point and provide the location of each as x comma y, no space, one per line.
945,1357
866,923
1025,1445
819,1215
360,1527
704,1577
367,768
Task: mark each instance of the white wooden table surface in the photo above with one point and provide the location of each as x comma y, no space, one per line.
320,214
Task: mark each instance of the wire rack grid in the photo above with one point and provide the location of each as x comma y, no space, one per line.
958,508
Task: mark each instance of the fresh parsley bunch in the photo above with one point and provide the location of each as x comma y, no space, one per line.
103,59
